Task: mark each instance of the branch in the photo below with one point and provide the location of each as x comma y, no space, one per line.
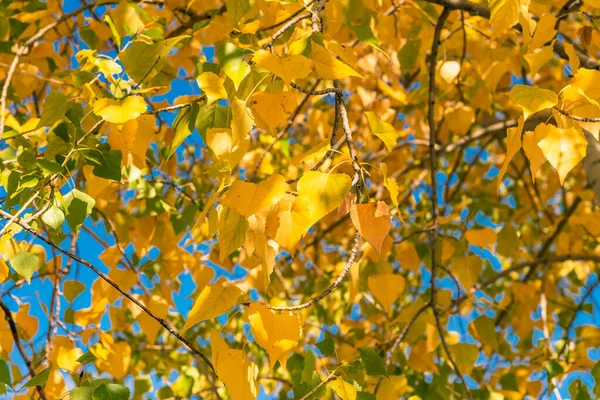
286,129
484,12
332,287
283,29
518,267
176,106
400,339
278,24
577,118
15,334
108,280
434,200
194,19
574,316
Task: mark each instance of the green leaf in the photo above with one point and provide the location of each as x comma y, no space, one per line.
309,366
213,116
554,369
408,54
4,373
465,355
579,391
142,385
72,289
25,264
236,9
38,380
86,358
374,365
50,166
82,393
53,217
55,107
231,60
108,165
143,61
366,35
183,126
183,386
111,391
80,78
326,346
79,206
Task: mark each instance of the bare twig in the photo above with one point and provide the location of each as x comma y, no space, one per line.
15,334
108,280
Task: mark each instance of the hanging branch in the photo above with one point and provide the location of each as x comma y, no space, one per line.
434,232
115,285
15,334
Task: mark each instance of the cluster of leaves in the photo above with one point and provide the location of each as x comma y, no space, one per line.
362,199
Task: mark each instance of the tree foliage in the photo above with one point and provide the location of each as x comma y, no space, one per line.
353,199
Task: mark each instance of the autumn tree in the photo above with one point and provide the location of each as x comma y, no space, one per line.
308,199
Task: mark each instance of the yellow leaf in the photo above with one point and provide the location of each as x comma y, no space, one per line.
293,223
544,31
241,122
513,145
143,138
112,358
248,198
26,322
420,359
329,67
532,150
407,256
212,301
150,327
237,373
287,68
345,390
325,192
4,271
346,53
460,119
532,99
122,139
484,238
213,86
483,330
386,288
573,57
373,222
587,80
448,250
383,130
564,149
392,187
232,232
504,15
120,111
467,270
393,388
539,58
272,109
449,71
64,354
278,334
465,355
315,152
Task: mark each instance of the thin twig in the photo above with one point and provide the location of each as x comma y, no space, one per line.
15,334
108,280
